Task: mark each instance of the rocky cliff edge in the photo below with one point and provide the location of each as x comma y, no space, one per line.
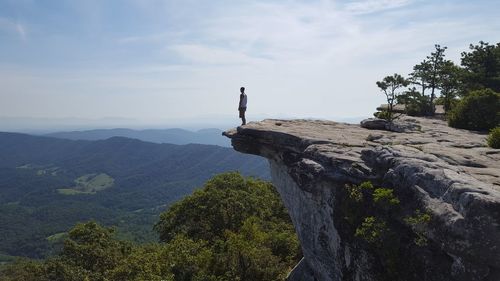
448,174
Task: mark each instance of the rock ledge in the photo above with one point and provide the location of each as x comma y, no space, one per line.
450,173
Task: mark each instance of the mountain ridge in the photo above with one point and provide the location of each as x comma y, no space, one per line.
39,176
172,135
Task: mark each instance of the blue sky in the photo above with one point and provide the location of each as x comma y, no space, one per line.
169,60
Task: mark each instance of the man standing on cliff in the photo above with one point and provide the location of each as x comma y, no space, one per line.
242,107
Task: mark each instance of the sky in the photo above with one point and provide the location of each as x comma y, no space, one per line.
162,61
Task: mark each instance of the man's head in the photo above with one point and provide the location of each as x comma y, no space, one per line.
242,90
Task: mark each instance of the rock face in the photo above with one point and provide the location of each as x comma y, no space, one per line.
432,169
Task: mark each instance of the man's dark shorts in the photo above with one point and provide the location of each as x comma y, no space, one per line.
242,111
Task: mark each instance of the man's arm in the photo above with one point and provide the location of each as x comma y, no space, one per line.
241,99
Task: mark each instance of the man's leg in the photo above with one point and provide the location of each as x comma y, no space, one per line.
242,116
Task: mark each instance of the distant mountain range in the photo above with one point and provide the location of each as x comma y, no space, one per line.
48,184
173,136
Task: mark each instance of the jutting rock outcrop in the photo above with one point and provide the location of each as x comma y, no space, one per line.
420,202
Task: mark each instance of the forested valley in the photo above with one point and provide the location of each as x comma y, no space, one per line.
48,185
235,228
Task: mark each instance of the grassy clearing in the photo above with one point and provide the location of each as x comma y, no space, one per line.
69,191
41,170
89,184
49,171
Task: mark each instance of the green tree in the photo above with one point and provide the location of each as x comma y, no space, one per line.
482,67
450,83
247,254
188,260
223,204
428,75
415,103
147,262
90,252
421,75
94,248
23,270
391,87
436,62
242,221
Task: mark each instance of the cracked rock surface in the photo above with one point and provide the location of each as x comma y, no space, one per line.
449,173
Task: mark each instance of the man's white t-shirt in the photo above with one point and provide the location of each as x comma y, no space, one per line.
243,101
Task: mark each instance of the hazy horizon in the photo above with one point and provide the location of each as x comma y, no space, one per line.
161,60
49,125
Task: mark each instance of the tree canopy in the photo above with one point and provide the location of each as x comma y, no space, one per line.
446,81
235,228
482,67
392,86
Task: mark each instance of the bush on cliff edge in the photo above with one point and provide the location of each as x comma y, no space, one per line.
480,110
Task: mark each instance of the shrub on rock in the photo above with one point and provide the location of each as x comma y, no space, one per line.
384,114
415,103
494,138
480,110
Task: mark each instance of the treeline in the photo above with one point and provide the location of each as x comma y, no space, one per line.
469,92
235,228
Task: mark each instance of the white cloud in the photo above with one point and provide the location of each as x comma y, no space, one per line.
373,6
201,54
281,33
150,38
10,26
21,31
